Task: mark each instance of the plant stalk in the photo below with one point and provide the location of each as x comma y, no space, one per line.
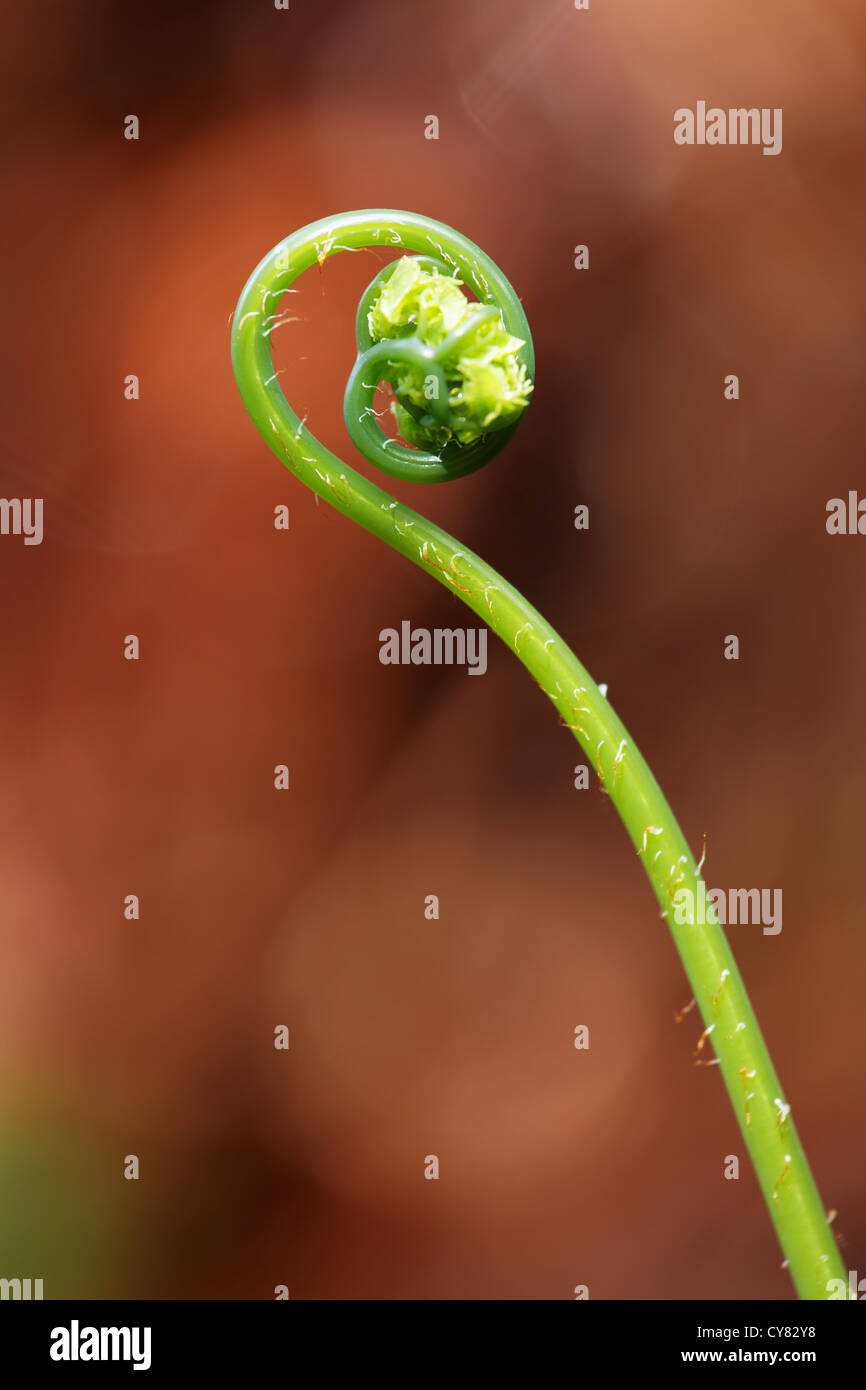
732,1030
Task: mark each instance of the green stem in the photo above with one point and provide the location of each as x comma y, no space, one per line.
754,1089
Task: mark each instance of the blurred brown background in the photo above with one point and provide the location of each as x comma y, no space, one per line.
306,908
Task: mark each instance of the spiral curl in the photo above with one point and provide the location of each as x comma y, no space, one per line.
780,1163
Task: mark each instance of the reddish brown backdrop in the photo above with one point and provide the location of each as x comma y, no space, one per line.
306,908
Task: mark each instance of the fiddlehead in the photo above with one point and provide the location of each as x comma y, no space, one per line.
462,376
458,375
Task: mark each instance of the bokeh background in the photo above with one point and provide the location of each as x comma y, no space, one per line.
258,647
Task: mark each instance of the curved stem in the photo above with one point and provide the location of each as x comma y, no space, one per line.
753,1087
